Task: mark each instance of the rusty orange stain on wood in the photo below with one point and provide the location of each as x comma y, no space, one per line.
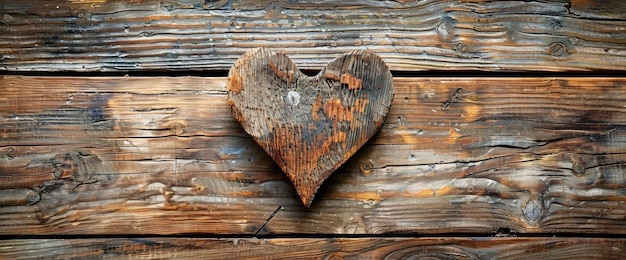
235,83
334,108
353,82
317,105
286,76
337,137
331,75
361,196
409,137
453,136
236,112
472,111
360,104
305,157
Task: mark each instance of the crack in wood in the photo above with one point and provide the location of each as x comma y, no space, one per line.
262,226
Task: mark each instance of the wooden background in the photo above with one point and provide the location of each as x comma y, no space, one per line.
515,148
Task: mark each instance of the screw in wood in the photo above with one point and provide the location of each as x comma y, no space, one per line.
367,167
557,49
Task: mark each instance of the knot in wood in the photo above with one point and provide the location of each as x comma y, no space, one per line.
57,173
557,49
461,47
367,167
578,168
32,197
7,18
533,210
177,128
445,28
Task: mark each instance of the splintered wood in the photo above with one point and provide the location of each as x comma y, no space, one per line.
150,155
310,125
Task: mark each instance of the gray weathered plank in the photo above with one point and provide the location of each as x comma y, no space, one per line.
115,155
121,35
316,248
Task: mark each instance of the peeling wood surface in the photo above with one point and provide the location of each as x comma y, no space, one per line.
124,156
311,248
116,35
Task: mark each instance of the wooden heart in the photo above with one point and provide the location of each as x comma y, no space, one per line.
310,125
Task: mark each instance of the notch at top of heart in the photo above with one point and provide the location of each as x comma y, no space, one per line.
310,126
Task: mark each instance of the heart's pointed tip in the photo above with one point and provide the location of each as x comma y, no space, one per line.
307,193
306,202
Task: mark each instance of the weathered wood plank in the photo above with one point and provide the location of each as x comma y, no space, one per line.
303,248
122,35
108,155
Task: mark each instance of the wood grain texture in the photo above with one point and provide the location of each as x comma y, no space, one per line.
310,126
119,35
311,248
124,155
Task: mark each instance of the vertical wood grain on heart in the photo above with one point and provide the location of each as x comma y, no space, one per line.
310,125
